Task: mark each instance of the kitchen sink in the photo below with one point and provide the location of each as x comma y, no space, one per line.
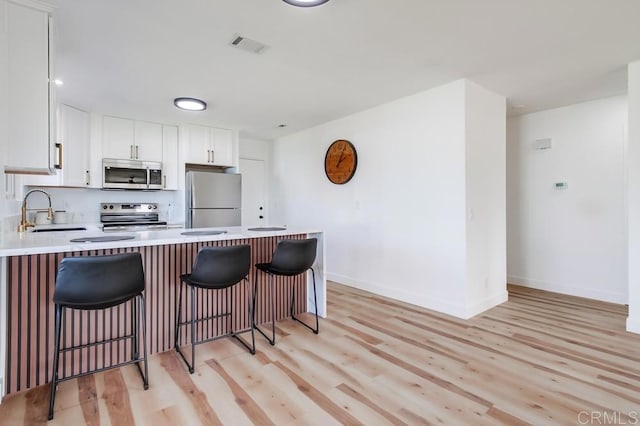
203,232
267,228
70,228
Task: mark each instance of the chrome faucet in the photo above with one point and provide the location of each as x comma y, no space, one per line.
24,224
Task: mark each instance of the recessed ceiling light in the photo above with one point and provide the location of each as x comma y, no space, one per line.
58,82
190,104
305,3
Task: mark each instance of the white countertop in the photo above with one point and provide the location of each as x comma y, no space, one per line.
18,244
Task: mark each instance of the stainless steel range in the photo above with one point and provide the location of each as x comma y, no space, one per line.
130,217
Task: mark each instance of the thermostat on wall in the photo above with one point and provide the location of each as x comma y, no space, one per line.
542,143
560,185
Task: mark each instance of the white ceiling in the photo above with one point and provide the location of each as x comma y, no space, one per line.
132,57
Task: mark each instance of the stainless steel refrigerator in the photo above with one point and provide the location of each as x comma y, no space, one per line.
213,199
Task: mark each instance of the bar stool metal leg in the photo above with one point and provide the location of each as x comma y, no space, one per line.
135,351
315,303
232,332
56,361
145,377
193,329
179,325
176,342
251,308
272,339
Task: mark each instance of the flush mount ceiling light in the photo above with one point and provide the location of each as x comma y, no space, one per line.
305,3
190,104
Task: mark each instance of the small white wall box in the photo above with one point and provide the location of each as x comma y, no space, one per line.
542,143
560,185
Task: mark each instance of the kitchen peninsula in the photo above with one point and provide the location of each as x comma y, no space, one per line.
28,268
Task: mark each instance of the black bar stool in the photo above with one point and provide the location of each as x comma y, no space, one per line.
100,282
215,268
290,258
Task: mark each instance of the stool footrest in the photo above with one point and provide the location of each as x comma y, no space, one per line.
206,319
101,342
119,364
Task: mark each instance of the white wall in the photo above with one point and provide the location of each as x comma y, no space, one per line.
398,227
254,149
485,198
570,241
633,194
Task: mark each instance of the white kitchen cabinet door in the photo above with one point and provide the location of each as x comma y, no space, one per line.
31,128
222,147
118,138
147,141
198,148
209,145
72,151
169,157
74,130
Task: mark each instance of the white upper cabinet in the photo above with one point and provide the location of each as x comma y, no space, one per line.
72,151
169,157
118,136
222,147
148,141
198,144
209,145
28,34
130,139
74,146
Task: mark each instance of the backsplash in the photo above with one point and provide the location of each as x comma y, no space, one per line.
85,203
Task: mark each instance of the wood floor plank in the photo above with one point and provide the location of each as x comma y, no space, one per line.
243,399
176,370
369,403
116,397
320,399
539,358
37,406
88,398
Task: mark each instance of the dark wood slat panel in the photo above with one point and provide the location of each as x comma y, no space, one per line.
31,316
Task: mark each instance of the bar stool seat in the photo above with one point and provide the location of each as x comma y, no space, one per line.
290,258
96,283
215,268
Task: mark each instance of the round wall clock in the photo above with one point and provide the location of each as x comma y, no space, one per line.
340,162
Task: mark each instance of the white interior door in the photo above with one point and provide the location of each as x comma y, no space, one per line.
254,192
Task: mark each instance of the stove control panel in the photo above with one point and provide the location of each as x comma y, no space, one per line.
128,208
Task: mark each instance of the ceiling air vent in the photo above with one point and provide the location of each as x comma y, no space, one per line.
247,44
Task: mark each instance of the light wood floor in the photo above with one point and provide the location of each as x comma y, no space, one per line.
540,358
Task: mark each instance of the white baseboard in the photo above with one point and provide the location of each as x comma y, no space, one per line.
459,310
589,293
633,325
487,303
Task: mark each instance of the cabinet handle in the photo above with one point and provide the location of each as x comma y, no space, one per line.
213,156
131,152
208,156
136,152
164,181
88,173
59,149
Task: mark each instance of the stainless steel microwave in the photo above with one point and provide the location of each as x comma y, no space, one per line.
131,174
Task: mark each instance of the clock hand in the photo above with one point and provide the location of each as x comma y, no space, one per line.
341,156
